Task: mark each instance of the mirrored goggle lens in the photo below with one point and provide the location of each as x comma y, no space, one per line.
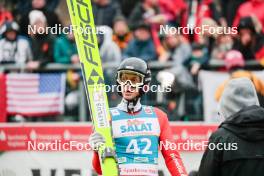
133,78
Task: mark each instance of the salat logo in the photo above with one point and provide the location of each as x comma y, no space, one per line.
135,126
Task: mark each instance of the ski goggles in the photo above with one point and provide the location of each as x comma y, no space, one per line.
128,77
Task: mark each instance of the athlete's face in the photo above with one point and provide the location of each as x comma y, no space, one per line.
129,92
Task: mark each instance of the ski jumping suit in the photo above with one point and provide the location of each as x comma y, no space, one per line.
137,137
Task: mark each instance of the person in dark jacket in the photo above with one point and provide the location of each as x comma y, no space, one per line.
105,11
141,45
41,41
241,135
249,40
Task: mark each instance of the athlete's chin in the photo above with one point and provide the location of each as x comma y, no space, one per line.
128,96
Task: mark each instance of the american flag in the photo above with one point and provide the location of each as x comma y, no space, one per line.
33,94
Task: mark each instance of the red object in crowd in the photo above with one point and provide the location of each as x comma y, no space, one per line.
172,8
249,8
260,54
5,16
234,58
45,47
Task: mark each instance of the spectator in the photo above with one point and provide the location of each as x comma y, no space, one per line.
41,5
21,6
109,51
222,45
234,63
249,42
193,97
198,58
207,37
65,50
13,48
250,8
196,12
4,15
147,12
105,11
239,140
177,49
142,45
121,35
42,43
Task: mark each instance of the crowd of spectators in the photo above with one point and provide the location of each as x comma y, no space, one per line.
131,28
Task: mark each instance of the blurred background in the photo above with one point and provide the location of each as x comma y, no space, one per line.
41,81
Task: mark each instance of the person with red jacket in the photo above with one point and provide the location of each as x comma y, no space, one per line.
138,131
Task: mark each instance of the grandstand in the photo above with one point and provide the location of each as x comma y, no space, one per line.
42,97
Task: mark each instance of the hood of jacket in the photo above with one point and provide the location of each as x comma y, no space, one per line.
247,124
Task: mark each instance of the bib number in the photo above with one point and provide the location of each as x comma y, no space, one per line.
132,147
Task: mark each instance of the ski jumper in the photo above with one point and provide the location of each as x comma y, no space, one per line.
137,137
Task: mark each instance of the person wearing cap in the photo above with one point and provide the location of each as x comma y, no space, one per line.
236,147
42,41
235,63
13,48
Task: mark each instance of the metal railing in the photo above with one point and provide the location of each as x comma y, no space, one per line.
213,64
82,111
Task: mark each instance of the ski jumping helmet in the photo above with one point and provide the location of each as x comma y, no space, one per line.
135,66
